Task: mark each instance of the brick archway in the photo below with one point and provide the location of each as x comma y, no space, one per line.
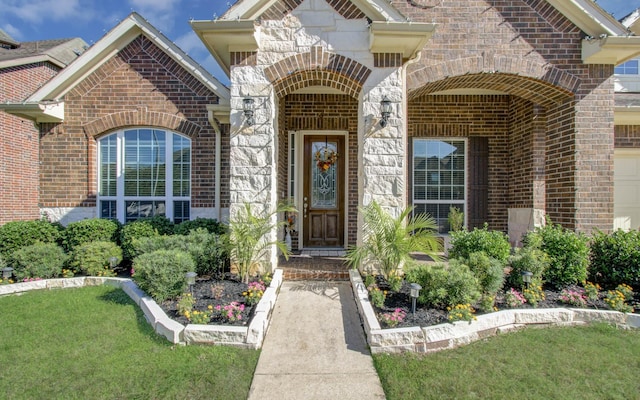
141,117
535,81
317,68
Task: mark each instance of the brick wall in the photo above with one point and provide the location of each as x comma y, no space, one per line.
19,144
445,116
529,49
139,86
322,112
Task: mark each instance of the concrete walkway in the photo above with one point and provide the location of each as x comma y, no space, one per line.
315,347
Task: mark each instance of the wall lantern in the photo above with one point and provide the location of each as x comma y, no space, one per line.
385,111
7,272
191,280
414,293
247,108
526,277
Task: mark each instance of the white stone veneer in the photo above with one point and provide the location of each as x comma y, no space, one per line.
250,336
449,335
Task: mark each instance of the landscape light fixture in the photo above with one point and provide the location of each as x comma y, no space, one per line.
526,277
385,111
191,280
113,261
7,272
247,108
414,293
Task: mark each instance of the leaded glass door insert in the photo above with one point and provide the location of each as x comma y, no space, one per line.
323,196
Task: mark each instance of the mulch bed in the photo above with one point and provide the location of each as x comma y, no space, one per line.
210,291
425,316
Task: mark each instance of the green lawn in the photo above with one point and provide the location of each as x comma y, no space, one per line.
590,362
94,343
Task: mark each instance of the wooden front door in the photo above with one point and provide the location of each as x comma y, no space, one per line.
323,197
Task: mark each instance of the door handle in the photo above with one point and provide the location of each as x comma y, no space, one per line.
305,206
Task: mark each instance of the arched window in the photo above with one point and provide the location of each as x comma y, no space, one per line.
144,172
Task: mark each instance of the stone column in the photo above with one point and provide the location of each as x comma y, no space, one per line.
253,149
383,150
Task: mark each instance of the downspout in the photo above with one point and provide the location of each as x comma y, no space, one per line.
218,154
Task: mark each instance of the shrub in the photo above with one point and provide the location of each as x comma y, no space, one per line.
461,312
389,241
529,259
206,249
534,294
445,286
161,273
615,258
232,312
455,219
494,243
248,241
254,293
17,234
489,271
394,318
574,297
210,224
163,225
39,260
135,230
377,296
514,299
93,258
617,299
568,254
90,230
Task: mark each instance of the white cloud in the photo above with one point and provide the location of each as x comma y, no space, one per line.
191,44
160,13
12,31
39,11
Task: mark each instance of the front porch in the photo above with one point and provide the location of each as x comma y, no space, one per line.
316,264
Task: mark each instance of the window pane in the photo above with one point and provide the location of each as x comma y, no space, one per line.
143,173
181,166
628,68
444,178
143,209
108,209
180,211
324,189
108,157
419,178
144,168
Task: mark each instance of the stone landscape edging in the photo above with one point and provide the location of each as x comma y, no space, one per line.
434,338
250,336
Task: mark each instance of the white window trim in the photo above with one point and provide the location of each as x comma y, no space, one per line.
120,199
466,174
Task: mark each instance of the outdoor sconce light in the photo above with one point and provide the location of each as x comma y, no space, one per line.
385,111
247,108
526,277
414,293
113,261
7,272
191,280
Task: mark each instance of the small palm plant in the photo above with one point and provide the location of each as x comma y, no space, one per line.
390,241
246,239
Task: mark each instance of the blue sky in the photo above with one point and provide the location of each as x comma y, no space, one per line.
29,20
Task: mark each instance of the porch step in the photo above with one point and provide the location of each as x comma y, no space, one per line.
305,267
